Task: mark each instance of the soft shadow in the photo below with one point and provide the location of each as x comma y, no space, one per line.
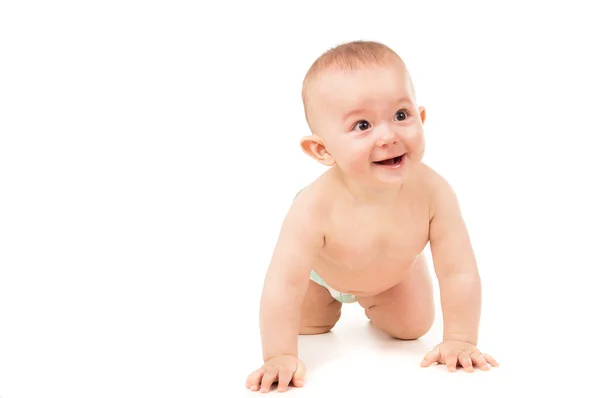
316,350
389,345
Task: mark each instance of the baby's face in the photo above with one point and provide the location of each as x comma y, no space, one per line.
369,122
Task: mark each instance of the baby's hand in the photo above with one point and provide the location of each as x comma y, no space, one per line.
283,369
450,352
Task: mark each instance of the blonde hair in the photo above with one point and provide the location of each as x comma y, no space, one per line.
347,57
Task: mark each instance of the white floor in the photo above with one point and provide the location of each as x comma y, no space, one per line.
167,334
356,360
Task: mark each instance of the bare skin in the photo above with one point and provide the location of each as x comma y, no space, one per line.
362,226
404,311
381,263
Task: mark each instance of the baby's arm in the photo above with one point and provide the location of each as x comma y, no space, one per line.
284,289
455,267
287,279
460,286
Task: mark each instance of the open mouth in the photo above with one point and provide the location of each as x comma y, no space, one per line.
391,161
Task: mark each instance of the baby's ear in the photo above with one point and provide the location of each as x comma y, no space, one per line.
422,113
314,146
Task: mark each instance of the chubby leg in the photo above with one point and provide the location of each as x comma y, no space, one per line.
320,311
406,310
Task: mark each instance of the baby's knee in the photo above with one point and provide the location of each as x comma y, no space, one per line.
309,326
412,331
308,330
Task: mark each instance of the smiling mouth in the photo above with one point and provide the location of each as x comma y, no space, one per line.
391,161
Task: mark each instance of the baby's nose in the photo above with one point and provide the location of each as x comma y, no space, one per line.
387,139
386,136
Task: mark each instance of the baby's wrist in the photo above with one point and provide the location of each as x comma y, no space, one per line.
267,358
467,338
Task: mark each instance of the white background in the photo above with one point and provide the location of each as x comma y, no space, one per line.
149,151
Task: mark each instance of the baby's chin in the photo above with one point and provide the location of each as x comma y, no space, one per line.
386,175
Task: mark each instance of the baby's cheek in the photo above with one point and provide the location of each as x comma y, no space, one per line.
354,169
359,162
417,141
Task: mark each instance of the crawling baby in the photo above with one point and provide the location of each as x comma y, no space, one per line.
357,233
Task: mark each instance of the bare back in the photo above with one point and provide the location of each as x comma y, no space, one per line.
367,249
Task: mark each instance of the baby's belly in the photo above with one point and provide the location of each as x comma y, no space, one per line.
364,281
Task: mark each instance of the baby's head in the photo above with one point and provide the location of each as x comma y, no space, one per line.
360,105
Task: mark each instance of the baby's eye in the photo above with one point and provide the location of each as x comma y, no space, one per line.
400,115
362,125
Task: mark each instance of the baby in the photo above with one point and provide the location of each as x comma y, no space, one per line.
357,233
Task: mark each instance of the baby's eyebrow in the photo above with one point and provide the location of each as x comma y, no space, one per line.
358,111
403,100
353,113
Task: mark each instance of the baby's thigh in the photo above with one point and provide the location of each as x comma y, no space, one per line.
407,309
320,311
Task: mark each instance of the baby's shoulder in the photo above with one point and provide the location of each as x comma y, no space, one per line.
428,181
312,199
304,219
439,193
430,186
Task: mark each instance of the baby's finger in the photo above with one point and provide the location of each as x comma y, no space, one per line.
268,379
285,375
490,360
254,379
298,377
465,361
479,361
451,362
430,357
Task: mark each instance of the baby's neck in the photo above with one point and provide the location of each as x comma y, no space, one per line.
369,195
